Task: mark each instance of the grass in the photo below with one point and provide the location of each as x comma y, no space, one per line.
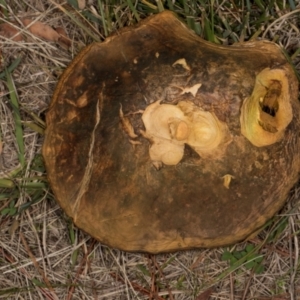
42,255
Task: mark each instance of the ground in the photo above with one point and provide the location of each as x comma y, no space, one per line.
42,254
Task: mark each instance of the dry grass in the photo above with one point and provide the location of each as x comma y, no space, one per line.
42,256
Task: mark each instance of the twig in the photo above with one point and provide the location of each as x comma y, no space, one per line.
163,276
153,289
247,286
231,287
136,286
36,265
293,256
271,248
279,19
80,270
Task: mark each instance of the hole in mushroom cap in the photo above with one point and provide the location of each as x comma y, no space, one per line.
267,112
169,127
269,103
209,136
179,129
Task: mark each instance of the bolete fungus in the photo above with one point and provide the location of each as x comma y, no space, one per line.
219,123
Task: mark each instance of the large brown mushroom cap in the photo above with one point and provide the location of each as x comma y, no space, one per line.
158,140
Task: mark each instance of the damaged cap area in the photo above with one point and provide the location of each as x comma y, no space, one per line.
267,112
169,127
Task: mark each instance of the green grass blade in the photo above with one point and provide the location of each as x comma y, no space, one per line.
212,20
288,58
209,32
170,5
103,18
73,3
197,28
34,127
292,4
17,118
34,185
4,8
77,22
296,53
10,69
160,6
6,183
131,6
260,4
36,118
150,5
256,34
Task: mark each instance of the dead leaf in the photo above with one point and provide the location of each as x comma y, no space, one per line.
41,30
198,261
38,29
9,31
1,158
81,4
63,40
205,295
14,226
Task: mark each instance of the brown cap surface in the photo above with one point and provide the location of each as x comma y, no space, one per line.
98,150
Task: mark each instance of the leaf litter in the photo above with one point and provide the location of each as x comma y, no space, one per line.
36,28
37,253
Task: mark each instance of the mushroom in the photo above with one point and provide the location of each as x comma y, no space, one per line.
219,123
